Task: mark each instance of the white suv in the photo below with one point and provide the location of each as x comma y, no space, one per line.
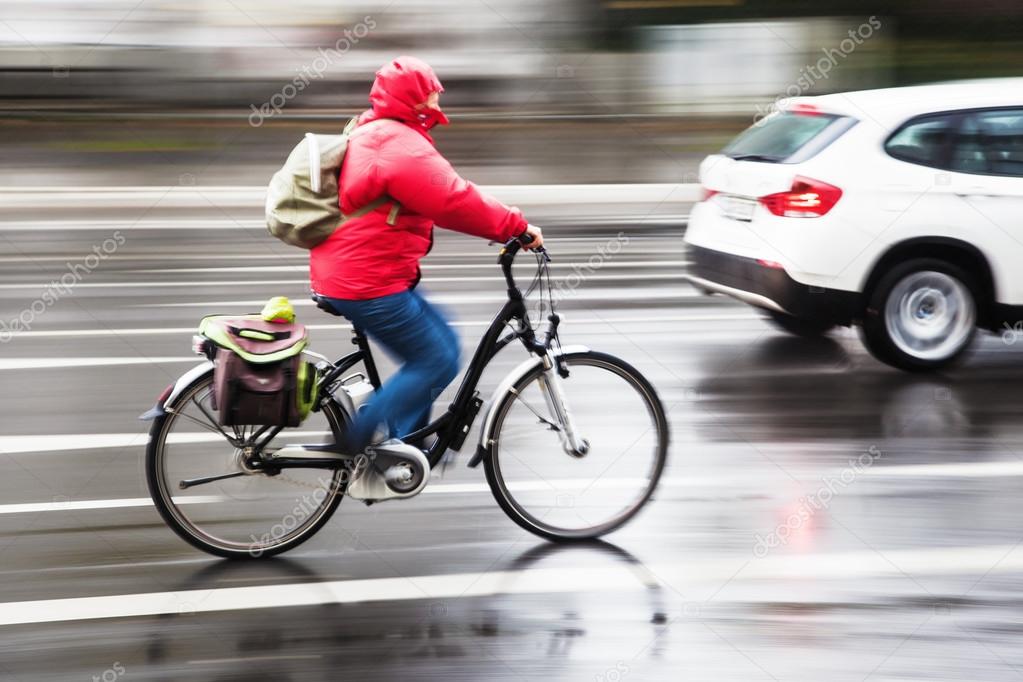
900,210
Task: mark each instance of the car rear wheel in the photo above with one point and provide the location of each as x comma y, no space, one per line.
922,315
799,326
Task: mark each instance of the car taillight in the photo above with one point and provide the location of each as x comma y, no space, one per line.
808,198
707,193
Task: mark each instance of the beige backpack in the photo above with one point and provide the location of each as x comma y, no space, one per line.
302,207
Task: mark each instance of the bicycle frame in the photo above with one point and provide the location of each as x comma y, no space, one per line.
452,427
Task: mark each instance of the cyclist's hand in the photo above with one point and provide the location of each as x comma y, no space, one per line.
532,238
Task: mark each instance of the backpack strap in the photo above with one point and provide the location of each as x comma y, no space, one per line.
392,217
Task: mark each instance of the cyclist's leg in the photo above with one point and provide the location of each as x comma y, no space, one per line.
414,333
445,366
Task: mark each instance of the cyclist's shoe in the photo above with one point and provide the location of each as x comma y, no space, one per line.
389,470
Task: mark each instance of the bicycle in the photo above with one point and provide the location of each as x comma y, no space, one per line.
600,467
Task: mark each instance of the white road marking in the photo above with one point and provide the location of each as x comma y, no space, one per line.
956,469
566,246
85,441
605,295
88,505
133,331
567,318
961,470
98,441
259,225
309,594
944,561
562,485
54,363
109,226
305,282
427,267
254,196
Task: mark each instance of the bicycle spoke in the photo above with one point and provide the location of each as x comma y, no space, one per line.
532,471
208,426
213,421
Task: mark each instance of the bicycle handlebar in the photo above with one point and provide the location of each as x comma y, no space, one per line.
507,257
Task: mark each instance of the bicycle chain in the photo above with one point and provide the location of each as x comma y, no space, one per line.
342,485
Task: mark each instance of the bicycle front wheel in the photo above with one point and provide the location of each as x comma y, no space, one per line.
561,496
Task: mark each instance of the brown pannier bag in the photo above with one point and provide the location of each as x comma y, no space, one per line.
259,376
247,393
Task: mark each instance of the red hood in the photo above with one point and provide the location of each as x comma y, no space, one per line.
400,87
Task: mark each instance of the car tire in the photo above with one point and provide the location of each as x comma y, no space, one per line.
921,315
799,326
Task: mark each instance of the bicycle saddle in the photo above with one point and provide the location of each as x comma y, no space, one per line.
321,303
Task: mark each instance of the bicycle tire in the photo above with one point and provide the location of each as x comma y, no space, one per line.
492,463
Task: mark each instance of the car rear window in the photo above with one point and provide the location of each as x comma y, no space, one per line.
788,137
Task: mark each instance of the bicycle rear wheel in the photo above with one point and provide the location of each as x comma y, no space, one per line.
248,516
560,496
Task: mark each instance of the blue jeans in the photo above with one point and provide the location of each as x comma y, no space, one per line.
415,333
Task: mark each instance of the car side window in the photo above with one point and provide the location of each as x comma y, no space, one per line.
924,140
990,143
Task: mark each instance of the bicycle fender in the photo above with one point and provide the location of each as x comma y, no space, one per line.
176,389
504,388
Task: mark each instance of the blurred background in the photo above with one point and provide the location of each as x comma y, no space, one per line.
153,126
567,91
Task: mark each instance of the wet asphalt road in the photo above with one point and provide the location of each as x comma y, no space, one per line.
822,517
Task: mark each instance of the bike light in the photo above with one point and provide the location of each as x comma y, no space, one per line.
808,198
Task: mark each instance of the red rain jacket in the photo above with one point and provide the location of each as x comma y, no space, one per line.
367,257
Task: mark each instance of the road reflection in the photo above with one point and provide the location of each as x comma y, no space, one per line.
273,645
789,389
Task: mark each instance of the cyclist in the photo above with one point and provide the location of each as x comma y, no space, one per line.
368,269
